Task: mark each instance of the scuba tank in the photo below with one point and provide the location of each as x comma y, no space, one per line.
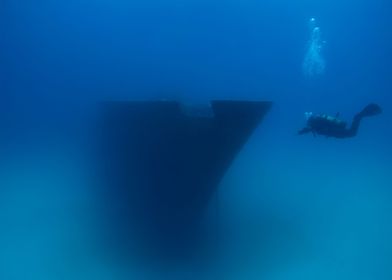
333,120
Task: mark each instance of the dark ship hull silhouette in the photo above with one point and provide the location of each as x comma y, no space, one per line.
163,165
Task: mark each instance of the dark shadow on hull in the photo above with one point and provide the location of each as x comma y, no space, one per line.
163,166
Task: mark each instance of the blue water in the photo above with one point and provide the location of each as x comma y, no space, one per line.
298,207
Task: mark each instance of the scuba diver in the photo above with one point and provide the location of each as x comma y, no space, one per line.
333,126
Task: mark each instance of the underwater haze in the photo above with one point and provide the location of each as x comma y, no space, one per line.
293,206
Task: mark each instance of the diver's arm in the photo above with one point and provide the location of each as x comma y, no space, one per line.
304,130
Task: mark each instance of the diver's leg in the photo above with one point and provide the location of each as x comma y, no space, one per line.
368,111
352,131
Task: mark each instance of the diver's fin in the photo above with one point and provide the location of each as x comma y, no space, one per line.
371,110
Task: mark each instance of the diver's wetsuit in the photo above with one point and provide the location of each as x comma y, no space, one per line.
333,127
